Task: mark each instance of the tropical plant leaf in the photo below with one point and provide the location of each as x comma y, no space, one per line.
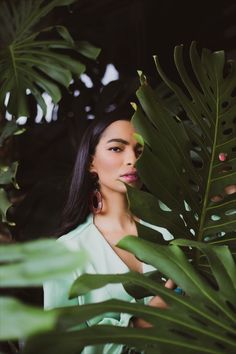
32,263
8,170
88,50
203,321
9,129
150,340
148,208
207,303
21,321
28,15
188,166
4,204
28,62
8,174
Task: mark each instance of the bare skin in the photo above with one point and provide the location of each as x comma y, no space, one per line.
156,301
114,162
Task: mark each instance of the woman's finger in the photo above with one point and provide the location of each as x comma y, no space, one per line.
170,284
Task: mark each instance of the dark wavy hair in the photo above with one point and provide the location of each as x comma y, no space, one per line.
82,182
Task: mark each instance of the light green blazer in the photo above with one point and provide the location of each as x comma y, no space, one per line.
102,260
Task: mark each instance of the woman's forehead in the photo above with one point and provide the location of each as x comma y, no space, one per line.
119,129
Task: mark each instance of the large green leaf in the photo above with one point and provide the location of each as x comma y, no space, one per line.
28,62
185,164
19,320
152,341
32,263
203,321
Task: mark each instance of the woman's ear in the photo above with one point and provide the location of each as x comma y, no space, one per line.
91,166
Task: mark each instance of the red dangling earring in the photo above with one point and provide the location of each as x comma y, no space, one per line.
96,202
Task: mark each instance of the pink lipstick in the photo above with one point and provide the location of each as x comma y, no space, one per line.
130,177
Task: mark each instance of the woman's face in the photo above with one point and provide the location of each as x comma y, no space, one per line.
115,157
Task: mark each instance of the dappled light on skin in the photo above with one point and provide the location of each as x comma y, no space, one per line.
157,302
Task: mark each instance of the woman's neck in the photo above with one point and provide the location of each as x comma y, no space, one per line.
115,213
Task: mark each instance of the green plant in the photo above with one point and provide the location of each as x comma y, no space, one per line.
8,170
203,321
29,265
181,169
189,165
28,61
31,64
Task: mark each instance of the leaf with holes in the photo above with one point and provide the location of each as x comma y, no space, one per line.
202,321
189,165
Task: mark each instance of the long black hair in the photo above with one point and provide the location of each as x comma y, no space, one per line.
82,182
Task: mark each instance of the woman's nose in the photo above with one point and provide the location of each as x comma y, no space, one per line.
130,158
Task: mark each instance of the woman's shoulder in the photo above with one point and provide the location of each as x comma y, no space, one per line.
76,233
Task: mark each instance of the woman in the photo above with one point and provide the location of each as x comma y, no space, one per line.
97,217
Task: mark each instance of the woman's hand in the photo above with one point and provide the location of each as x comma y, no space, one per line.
156,301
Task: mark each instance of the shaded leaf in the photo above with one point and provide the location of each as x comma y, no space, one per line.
27,62
8,174
181,165
9,129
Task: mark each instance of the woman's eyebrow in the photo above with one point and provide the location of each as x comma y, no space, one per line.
118,140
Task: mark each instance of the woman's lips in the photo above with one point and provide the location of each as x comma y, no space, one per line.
130,177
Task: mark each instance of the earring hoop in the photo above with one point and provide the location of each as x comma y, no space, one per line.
96,203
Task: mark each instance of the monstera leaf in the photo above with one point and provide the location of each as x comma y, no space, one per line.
203,321
188,188
31,64
189,163
28,61
26,265
32,263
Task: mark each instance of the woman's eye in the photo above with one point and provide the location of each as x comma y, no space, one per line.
115,149
139,152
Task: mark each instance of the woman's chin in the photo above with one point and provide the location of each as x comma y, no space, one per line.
123,189
137,184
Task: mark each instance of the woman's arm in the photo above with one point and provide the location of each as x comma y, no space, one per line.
156,301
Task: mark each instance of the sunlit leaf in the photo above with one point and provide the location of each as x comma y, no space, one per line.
4,204
32,263
19,320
